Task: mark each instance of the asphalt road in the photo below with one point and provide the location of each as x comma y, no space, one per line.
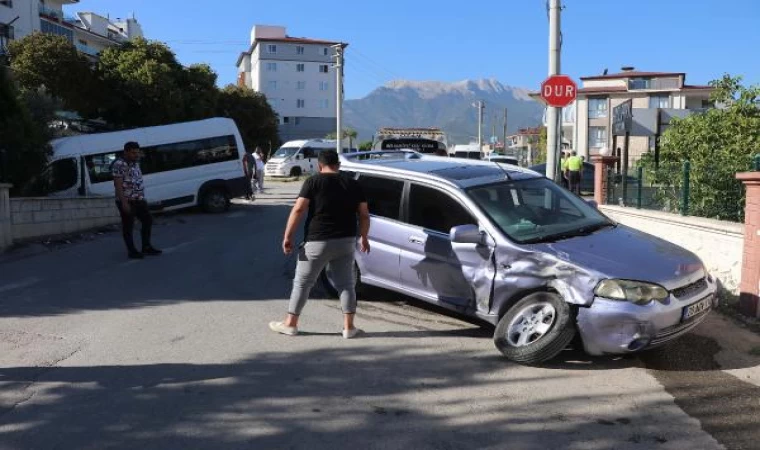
99,352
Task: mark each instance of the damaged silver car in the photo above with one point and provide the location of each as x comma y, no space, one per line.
510,247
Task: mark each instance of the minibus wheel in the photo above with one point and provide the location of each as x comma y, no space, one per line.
295,172
214,200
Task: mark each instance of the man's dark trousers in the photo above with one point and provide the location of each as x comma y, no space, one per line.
137,209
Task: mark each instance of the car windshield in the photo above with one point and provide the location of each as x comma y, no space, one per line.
285,152
537,210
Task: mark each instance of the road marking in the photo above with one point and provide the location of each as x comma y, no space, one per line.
26,282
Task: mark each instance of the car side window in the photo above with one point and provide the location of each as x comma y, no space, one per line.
435,210
383,195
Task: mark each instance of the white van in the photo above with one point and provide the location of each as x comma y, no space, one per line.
183,164
296,158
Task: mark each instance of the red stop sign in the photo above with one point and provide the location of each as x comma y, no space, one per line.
558,91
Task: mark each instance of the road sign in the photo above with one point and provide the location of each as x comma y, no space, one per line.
558,91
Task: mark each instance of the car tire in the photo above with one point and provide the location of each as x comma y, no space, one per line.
536,329
214,201
329,287
295,172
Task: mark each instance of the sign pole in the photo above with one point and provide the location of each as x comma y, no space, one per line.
554,69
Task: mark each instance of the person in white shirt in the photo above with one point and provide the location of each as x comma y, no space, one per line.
258,155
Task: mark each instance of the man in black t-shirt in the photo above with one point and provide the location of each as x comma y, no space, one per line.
332,202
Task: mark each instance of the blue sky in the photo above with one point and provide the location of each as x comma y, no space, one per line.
433,40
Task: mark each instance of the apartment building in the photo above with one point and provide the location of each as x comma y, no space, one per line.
297,77
656,98
89,32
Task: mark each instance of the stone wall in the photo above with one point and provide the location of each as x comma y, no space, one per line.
38,217
719,244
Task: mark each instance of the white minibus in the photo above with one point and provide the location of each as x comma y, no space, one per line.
183,164
295,158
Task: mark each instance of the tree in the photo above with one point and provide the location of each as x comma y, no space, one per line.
50,63
349,133
365,146
541,147
23,142
718,143
200,92
255,118
145,82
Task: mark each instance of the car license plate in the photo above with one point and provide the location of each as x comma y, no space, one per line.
697,308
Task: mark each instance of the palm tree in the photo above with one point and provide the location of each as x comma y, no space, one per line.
349,133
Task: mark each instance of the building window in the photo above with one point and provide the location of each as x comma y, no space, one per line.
271,67
323,86
659,101
6,31
597,137
325,51
300,103
272,85
299,50
8,3
323,68
706,103
300,67
296,121
286,119
597,108
652,143
639,83
301,85
271,48
324,104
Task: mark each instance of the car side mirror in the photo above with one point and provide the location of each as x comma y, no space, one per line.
593,204
299,157
467,234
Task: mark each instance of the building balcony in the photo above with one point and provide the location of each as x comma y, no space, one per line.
87,50
51,12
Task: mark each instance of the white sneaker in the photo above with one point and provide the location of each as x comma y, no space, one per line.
348,334
280,327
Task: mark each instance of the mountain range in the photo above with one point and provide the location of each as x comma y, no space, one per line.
449,106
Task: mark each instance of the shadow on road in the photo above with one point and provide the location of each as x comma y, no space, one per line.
323,399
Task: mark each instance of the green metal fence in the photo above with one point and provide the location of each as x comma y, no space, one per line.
676,188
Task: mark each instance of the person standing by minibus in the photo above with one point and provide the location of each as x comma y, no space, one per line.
130,200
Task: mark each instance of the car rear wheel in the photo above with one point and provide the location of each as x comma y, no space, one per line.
329,285
295,172
535,329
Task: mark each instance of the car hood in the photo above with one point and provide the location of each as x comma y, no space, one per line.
276,160
623,252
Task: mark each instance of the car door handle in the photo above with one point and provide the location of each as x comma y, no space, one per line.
416,240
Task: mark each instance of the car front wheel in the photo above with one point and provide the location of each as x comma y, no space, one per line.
535,329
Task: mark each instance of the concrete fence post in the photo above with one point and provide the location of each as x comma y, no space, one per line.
601,183
6,235
750,283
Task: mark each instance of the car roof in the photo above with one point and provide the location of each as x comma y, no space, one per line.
459,172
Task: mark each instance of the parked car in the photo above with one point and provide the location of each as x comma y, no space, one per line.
587,177
510,247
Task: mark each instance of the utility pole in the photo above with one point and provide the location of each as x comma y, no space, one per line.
481,106
339,95
505,131
492,139
553,115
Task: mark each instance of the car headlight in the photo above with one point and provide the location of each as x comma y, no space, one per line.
636,292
